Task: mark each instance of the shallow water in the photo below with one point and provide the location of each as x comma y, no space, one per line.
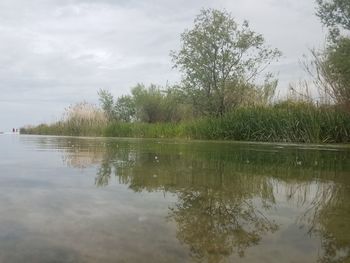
68,199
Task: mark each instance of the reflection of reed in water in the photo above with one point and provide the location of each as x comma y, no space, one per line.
329,217
326,214
82,159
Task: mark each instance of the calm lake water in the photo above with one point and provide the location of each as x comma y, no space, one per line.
68,199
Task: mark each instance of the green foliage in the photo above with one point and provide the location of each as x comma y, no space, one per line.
218,58
148,103
330,70
332,66
338,70
125,108
107,103
281,123
144,130
177,107
155,104
284,122
334,14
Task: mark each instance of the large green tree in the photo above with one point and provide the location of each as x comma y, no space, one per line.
217,57
334,14
336,67
331,67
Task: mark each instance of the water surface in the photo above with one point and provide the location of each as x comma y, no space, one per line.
66,199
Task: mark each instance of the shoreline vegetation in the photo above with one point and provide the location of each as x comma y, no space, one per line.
297,123
226,92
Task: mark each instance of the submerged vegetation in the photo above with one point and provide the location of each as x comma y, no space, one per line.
226,92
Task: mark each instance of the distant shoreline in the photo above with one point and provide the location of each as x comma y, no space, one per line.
10,133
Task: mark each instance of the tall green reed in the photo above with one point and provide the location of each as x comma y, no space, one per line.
284,122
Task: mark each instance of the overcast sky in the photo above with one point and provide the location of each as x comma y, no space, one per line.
57,52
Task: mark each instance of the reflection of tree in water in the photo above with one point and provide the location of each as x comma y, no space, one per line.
115,161
216,214
224,194
103,175
215,225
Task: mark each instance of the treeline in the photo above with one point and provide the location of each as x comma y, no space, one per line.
226,91
155,104
147,104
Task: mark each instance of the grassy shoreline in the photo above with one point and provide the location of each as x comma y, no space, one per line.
298,124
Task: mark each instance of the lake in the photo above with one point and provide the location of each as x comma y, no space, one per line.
66,199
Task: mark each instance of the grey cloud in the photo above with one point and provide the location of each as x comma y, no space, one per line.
53,53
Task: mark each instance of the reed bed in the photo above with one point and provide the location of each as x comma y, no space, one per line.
81,119
285,122
295,123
